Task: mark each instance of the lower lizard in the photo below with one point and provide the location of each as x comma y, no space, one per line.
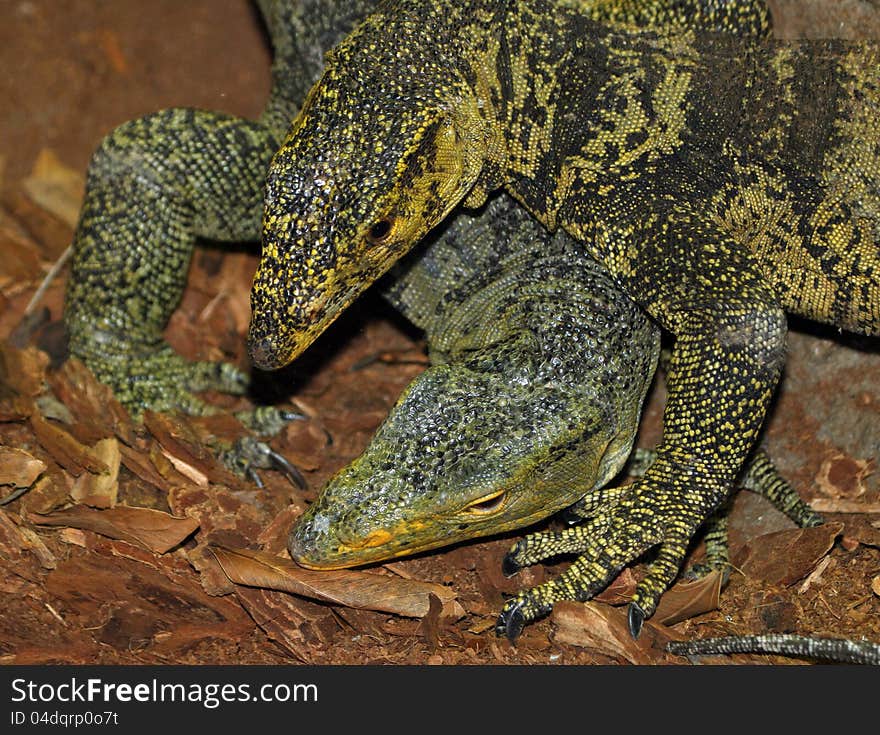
539,369
515,420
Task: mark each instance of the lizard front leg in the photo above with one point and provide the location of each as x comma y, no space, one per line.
727,358
154,184
760,476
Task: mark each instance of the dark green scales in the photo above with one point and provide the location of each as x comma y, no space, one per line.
202,172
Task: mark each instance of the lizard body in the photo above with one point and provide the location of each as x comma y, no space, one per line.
157,183
686,163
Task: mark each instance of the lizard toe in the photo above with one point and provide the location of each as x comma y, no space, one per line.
248,454
268,420
635,619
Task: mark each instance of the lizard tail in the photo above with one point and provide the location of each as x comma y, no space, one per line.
837,650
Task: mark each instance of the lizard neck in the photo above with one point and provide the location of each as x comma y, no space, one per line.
588,105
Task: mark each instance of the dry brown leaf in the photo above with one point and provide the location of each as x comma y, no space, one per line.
429,627
211,575
305,444
605,629
33,543
19,468
621,589
145,527
787,556
364,590
16,408
280,616
65,449
220,426
226,517
91,402
841,476
16,540
816,574
170,476
124,602
55,187
139,464
21,263
51,491
22,372
186,451
689,598
100,490
833,505
875,586
273,538
74,537
187,470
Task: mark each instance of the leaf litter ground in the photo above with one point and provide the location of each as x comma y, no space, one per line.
130,543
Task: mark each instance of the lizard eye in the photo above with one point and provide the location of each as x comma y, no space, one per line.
488,503
380,231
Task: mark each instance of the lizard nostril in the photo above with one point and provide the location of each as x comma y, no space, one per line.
262,352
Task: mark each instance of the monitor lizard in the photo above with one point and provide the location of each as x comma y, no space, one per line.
722,182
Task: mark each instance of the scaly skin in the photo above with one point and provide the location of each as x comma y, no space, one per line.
827,649
498,314
144,209
720,182
157,183
540,366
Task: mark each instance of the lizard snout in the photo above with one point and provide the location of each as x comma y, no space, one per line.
262,352
307,538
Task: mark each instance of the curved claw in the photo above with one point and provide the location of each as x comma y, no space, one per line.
254,477
509,567
250,454
511,621
282,464
570,517
636,618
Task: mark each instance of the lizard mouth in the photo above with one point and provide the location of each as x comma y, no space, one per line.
274,342
329,551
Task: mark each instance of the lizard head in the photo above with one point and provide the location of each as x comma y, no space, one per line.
460,456
387,143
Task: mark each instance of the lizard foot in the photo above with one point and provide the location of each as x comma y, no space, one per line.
165,382
647,513
623,522
248,454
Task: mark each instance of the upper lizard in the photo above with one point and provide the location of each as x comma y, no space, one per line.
720,181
